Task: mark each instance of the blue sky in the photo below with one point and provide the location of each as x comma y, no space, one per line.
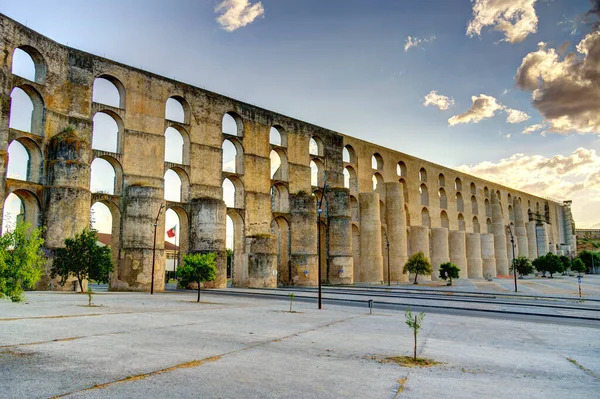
342,65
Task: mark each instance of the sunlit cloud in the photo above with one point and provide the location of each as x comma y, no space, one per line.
438,100
533,128
415,42
236,14
515,116
483,107
516,19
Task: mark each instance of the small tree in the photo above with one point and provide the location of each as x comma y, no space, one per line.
523,266
415,324
553,264
82,258
587,256
566,262
540,265
578,266
418,264
198,268
291,295
449,271
21,260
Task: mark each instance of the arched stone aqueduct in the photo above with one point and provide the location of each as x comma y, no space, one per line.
373,194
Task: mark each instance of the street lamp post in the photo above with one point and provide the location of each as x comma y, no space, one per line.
512,241
319,212
387,245
154,248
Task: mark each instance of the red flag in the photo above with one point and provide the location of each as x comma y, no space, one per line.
171,232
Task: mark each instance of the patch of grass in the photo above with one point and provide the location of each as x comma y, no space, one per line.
408,361
583,368
16,353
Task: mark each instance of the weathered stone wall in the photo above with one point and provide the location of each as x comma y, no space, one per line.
414,203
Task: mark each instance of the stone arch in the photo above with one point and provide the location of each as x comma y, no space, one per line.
280,201
461,222
377,180
177,109
407,213
509,198
511,213
232,124
424,195
315,146
239,269
425,219
474,205
279,164
232,156
423,175
26,150
354,209
460,206
233,192
377,162
382,211
351,179
356,251
404,189
348,154
488,208
177,145
28,63
114,231
107,132
27,110
106,175
443,198
473,189
444,220
176,177
317,175
280,229
21,205
499,195
458,184
490,228
401,169
486,192
278,136
441,180
476,227
182,232
108,90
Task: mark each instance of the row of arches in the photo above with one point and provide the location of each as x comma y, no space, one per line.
445,221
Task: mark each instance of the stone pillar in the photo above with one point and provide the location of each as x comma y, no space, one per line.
541,233
303,245
520,230
396,230
419,241
531,241
371,259
499,237
67,196
458,252
340,262
474,262
4,119
207,234
439,250
262,262
488,255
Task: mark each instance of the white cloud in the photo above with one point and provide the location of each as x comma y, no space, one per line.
416,42
438,100
515,116
515,18
575,177
483,107
533,128
567,91
236,14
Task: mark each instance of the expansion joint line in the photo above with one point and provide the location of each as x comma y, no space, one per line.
196,363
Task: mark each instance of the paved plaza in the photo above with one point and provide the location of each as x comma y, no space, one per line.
133,345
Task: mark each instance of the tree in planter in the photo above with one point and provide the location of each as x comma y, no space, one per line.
578,266
449,271
415,324
523,266
21,260
83,258
198,268
418,264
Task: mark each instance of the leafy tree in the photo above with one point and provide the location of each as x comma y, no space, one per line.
198,268
415,324
553,264
418,264
587,256
21,260
566,262
540,265
523,266
449,271
83,258
578,266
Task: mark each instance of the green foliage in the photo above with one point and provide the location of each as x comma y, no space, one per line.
566,262
229,261
550,263
540,265
414,322
578,266
418,264
21,260
523,266
82,258
291,295
198,268
449,271
587,256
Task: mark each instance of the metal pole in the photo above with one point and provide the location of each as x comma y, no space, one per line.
154,248
387,245
319,211
512,241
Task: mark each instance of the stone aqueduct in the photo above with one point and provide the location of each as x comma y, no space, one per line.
374,195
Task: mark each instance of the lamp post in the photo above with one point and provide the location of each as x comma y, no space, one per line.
319,213
387,245
512,241
154,248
